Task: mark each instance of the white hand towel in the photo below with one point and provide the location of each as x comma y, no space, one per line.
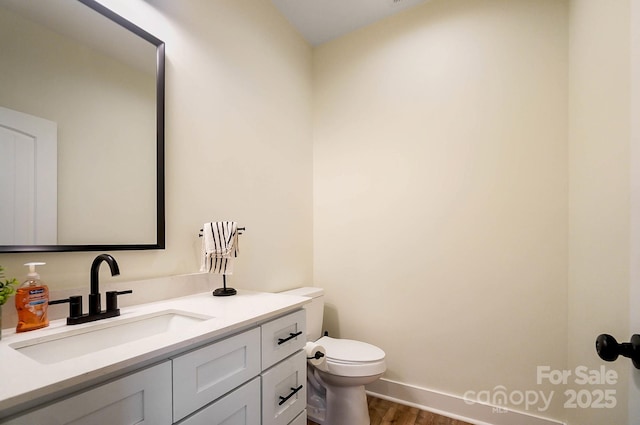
219,247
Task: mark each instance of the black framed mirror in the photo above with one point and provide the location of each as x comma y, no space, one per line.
82,93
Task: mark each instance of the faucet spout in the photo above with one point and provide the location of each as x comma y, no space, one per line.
94,296
95,268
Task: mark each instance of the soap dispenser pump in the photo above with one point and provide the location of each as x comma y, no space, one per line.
32,301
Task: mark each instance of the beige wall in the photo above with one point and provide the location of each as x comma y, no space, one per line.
440,191
599,220
238,139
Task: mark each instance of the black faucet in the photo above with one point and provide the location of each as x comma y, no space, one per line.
95,304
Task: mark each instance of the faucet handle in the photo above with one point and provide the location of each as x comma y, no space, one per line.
112,299
75,305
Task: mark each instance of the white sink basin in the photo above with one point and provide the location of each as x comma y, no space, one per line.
78,342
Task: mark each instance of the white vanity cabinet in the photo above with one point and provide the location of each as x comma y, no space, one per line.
257,376
143,397
206,374
284,390
284,365
269,356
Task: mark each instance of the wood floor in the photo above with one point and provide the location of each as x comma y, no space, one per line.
383,412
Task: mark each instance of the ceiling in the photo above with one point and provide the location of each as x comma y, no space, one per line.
322,20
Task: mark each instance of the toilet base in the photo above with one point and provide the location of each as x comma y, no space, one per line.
331,402
348,406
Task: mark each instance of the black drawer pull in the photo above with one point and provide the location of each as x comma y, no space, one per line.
291,336
293,392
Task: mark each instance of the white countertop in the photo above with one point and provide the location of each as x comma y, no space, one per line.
25,382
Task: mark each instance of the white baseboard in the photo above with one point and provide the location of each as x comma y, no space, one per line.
452,406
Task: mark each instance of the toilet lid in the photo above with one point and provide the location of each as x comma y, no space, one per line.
347,350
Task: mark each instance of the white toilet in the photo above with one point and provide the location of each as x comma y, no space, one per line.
335,390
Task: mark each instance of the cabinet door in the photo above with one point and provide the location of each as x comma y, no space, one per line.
140,398
205,374
284,390
241,407
283,337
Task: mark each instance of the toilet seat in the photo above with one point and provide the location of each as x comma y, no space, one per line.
349,358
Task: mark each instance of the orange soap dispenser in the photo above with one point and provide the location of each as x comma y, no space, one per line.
32,300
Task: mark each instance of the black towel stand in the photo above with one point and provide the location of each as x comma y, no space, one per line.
224,291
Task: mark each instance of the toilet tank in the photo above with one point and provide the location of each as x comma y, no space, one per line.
314,309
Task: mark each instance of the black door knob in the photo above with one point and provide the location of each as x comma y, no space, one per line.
609,349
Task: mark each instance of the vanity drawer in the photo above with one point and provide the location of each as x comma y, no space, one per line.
284,390
143,397
241,407
203,375
283,337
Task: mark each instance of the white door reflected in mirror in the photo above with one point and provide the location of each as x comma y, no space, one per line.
28,179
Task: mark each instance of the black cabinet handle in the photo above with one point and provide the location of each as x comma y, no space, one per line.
608,348
290,337
293,392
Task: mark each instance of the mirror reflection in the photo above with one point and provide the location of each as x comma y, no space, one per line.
79,129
